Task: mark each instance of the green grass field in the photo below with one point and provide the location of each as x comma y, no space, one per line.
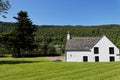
42,69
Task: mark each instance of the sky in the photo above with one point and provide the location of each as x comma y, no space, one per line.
67,12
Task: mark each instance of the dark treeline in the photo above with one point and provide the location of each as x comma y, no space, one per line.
57,34
49,36
6,26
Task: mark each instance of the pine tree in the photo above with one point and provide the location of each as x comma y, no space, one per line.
24,33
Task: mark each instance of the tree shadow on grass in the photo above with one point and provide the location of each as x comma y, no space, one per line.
16,62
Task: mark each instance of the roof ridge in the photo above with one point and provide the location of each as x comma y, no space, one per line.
84,37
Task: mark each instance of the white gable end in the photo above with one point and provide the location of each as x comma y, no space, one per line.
105,42
104,45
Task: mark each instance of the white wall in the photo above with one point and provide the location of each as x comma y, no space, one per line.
77,56
103,44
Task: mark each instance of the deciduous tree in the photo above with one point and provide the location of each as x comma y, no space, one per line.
4,6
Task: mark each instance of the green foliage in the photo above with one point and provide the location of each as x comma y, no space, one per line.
4,6
22,36
6,26
51,50
45,49
3,51
56,35
25,31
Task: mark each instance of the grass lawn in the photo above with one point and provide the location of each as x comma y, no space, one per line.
42,69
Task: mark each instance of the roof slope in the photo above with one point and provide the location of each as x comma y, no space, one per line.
81,44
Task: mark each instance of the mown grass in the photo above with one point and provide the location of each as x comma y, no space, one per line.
42,69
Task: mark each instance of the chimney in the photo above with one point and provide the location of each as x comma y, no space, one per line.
68,36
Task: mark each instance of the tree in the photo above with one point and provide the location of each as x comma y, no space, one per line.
51,50
21,38
4,6
24,35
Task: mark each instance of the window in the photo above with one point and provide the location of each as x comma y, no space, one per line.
96,50
111,50
85,58
96,58
112,58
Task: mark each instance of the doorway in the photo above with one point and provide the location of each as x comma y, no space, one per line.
85,58
112,58
96,58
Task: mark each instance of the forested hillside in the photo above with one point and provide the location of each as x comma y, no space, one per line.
57,34
49,35
6,26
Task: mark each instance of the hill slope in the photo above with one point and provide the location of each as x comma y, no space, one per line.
57,34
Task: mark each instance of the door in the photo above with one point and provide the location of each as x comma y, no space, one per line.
96,58
112,58
85,59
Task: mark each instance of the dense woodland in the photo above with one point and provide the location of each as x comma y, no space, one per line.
47,36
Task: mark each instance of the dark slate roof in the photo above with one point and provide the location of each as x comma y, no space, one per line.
81,44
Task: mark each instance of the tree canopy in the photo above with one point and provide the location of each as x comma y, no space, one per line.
48,36
22,36
4,7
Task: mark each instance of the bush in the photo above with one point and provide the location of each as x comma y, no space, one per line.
4,52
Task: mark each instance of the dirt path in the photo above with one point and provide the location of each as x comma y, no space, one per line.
57,58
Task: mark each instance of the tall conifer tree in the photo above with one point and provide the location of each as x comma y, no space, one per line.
24,34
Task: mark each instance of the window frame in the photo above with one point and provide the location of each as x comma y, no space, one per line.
96,50
111,50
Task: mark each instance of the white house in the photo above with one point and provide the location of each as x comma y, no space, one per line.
90,49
